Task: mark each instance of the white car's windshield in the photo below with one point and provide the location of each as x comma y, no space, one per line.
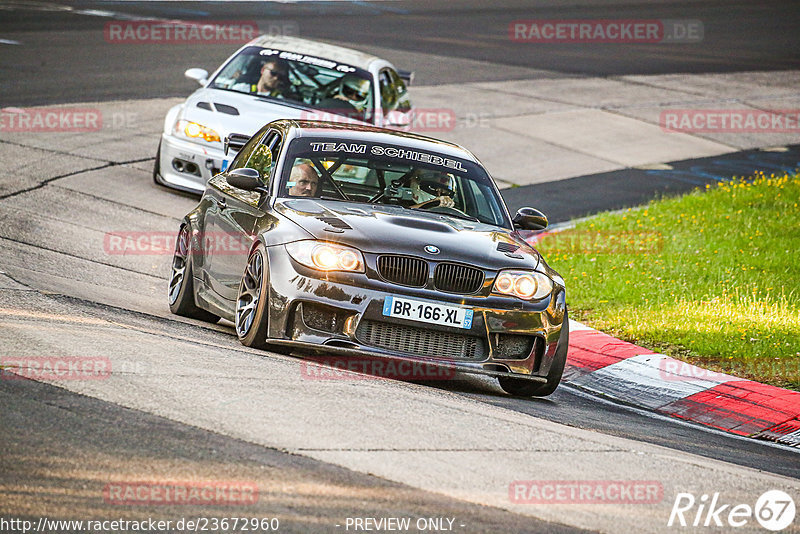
360,171
312,81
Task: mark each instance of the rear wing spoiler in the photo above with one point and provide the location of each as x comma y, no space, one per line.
407,76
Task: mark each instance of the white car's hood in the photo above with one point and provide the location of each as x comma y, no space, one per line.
219,111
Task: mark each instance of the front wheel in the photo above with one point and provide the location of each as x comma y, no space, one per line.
253,300
181,282
519,387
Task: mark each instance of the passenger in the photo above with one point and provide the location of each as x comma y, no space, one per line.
355,91
303,181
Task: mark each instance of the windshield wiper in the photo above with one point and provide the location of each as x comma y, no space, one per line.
283,101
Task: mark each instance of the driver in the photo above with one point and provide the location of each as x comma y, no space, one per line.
354,91
429,187
303,181
274,80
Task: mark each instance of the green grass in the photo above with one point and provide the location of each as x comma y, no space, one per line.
711,277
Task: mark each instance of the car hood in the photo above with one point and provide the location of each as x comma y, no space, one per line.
384,229
231,112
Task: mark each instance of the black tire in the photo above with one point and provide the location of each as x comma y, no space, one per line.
157,165
519,387
181,282
252,301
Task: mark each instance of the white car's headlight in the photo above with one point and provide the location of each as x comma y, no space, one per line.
326,256
193,130
527,285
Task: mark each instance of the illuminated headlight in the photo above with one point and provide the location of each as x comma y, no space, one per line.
527,285
193,130
326,256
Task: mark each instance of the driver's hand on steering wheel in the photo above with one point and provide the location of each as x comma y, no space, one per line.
443,201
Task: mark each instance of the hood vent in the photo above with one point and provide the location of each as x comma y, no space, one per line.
226,109
502,246
421,224
221,108
336,222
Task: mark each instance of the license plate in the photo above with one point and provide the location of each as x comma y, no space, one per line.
427,312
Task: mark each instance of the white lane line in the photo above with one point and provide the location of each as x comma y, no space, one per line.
647,413
9,42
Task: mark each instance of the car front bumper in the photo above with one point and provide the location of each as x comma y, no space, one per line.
343,315
187,166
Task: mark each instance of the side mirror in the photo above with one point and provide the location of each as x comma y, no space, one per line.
245,178
529,219
406,76
198,75
398,119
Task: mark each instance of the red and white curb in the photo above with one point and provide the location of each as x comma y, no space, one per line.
606,366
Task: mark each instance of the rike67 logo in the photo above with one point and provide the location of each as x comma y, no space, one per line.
774,510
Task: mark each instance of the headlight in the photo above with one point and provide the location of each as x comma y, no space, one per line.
527,285
326,256
193,130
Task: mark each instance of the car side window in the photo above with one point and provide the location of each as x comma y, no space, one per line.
264,155
388,91
244,154
394,94
403,101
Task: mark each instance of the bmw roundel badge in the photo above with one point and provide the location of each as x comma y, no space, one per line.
430,249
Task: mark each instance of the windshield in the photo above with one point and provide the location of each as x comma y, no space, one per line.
373,173
311,81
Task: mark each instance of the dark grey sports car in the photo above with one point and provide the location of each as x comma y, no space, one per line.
364,242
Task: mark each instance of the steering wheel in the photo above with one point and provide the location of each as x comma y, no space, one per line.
433,205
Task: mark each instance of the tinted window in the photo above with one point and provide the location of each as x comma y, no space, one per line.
311,81
359,171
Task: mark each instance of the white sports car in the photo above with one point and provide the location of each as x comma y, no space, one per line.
267,79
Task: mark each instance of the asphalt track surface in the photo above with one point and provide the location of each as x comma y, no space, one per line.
57,441
60,60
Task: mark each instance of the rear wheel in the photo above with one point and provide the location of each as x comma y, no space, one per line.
181,282
253,301
519,387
